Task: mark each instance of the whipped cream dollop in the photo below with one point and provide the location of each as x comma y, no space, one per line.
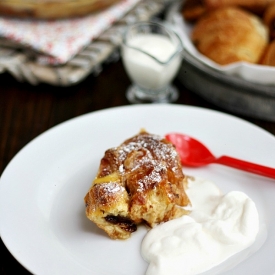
217,227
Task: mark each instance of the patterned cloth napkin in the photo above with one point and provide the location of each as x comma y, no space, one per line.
58,41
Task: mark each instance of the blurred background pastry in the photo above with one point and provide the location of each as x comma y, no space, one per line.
230,34
269,55
256,6
52,9
193,9
269,19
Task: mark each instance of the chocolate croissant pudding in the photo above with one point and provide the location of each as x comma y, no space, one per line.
140,181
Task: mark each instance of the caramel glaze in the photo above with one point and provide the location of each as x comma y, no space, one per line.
147,162
149,173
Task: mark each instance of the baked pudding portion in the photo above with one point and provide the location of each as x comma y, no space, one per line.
139,181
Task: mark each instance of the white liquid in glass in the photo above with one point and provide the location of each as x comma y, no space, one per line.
144,70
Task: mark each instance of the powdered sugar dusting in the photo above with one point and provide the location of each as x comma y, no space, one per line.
112,187
151,179
150,153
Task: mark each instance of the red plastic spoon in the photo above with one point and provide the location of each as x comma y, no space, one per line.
194,153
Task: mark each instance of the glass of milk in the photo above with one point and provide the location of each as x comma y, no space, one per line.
151,53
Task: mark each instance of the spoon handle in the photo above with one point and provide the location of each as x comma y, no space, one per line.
247,166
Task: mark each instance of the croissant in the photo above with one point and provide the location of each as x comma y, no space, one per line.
256,6
269,55
230,34
192,10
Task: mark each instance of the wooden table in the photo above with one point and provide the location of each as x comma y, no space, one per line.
27,111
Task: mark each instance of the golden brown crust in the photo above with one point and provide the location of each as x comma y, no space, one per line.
269,55
52,9
230,34
192,10
269,19
257,6
139,181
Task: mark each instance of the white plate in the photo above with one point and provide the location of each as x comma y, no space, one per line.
251,72
42,214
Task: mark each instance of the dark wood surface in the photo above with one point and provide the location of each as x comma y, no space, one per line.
27,111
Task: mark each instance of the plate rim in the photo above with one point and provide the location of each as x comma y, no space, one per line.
94,113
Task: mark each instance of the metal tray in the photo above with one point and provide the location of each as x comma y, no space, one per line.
228,92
